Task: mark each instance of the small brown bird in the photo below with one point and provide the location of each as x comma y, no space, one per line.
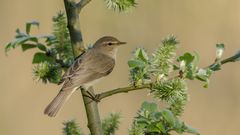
92,65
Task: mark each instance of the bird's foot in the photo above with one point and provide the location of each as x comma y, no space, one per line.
93,96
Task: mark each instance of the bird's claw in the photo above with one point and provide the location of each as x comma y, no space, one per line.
92,96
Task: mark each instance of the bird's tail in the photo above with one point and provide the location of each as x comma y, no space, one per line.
57,103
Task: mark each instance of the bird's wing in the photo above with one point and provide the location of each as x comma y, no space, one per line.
89,67
73,68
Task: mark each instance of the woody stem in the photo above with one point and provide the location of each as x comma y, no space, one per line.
72,10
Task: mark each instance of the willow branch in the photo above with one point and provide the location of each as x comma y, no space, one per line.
100,96
233,58
72,10
122,90
94,121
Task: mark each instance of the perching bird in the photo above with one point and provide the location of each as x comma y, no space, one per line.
92,65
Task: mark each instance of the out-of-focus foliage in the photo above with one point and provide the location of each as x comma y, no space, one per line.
54,52
111,123
151,121
120,5
71,128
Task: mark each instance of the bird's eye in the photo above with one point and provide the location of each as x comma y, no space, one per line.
109,43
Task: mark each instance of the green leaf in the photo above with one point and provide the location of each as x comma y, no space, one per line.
187,57
152,128
161,127
168,116
151,107
28,46
19,34
71,128
20,41
15,43
120,5
179,127
29,24
157,116
135,63
202,75
141,54
42,47
206,83
195,60
41,57
8,47
111,124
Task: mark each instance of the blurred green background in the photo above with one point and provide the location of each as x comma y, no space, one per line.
198,24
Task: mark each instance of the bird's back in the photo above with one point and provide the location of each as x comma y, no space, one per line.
91,66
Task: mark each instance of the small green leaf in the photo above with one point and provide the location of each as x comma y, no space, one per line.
71,128
161,127
42,47
187,57
157,116
152,128
15,43
28,46
120,5
206,83
20,41
8,47
135,63
41,57
168,116
151,107
29,24
196,59
141,54
179,127
202,75
19,34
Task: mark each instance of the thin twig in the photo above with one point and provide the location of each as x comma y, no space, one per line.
122,90
233,58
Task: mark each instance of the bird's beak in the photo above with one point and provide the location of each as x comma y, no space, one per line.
121,43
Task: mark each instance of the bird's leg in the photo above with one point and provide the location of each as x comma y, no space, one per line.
91,95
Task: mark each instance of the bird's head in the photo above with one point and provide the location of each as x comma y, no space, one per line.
108,45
